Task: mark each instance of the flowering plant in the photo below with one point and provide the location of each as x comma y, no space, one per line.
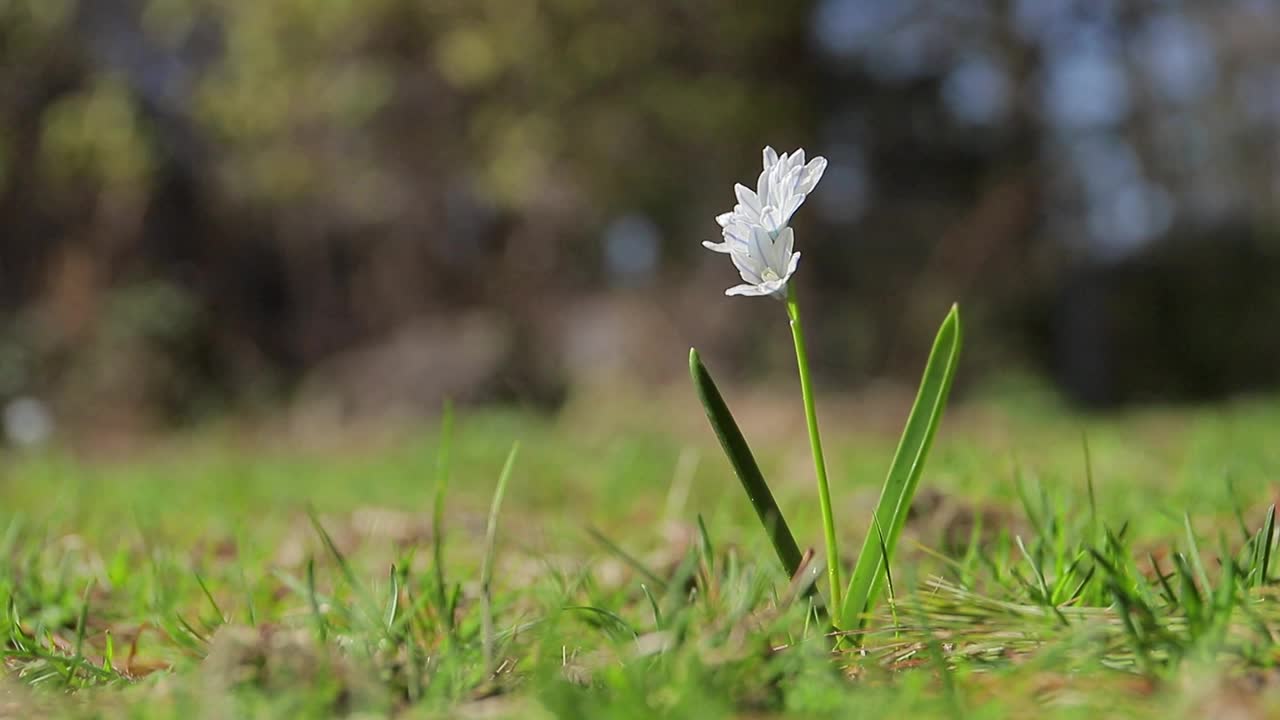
757,237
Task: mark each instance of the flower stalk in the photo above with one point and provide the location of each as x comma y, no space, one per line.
819,461
757,237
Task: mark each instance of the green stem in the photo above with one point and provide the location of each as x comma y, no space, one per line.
815,445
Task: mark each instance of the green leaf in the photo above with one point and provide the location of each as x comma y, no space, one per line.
744,466
627,558
437,516
366,601
904,473
486,566
82,621
222,618
322,628
393,602
1268,534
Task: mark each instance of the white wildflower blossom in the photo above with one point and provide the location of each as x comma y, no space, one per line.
764,261
780,190
756,233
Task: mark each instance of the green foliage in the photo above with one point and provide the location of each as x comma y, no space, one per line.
904,473
192,581
307,102
745,467
97,134
890,515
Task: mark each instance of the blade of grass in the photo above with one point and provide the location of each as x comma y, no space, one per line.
1269,531
322,628
1189,599
1088,477
706,564
222,617
1041,583
1167,590
486,569
704,544
1236,509
1136,638
627,558
250,607
888,575
82,621
606,619
653,605
904,473
1223,602
1193,549
393,602
677,595
367,604
109,654
1028,509
437,517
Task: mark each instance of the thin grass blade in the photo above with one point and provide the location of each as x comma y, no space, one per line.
1193,551
222,617
393,602
82,621
348,573
630,560
437,515
1269,534
490,548
322,628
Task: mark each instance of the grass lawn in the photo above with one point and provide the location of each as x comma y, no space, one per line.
227,574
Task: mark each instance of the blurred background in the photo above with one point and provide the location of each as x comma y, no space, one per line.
360,208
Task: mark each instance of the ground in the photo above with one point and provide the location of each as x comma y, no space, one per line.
1059,564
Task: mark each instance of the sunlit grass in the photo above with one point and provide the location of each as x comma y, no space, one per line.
629,577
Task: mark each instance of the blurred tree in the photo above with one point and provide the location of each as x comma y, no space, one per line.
312,175
293,178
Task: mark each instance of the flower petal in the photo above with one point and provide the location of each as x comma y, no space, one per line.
738,233
791,266
760,244
785,189
812,174
770,157
747,290
748,268
782,247
735,239
747,197
769,219
765,186
777,288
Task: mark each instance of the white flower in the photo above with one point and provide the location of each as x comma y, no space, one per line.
781,188
756,233
764,261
